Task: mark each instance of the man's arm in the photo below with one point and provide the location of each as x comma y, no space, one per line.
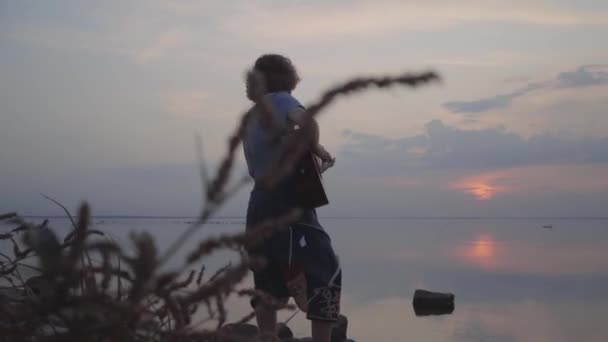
297,115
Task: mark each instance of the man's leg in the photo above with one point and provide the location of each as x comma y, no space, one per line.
321,330
269,282
321,277
266,318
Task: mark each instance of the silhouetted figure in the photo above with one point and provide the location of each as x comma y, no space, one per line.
300,258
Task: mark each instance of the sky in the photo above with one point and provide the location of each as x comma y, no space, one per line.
102,100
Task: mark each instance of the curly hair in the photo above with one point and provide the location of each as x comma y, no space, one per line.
278,71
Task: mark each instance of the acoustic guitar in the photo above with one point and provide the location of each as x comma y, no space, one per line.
308,183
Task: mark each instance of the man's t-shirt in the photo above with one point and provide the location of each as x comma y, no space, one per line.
260,152
257,145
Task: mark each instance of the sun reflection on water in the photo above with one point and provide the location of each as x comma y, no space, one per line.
482,251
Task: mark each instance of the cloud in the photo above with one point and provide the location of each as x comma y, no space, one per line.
492,59
143,32
378,17
445,147
486,104
260,19
448,167
187,103
165,43
584,76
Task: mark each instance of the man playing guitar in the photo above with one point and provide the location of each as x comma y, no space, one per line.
301,262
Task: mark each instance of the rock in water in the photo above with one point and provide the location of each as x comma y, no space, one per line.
432,303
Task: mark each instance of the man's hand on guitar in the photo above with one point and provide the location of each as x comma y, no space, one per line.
322,153
327,160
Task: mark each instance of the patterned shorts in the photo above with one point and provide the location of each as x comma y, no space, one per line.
301,264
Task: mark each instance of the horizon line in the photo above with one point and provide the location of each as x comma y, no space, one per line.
344,217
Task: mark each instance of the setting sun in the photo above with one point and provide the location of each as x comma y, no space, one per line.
483,187
482,191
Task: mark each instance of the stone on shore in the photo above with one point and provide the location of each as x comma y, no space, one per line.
284,332
241,332
248,332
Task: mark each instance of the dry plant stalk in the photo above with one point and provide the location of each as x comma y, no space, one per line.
123,295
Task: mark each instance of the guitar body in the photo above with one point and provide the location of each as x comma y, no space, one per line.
307,183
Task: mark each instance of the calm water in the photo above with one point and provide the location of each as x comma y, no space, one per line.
513,279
